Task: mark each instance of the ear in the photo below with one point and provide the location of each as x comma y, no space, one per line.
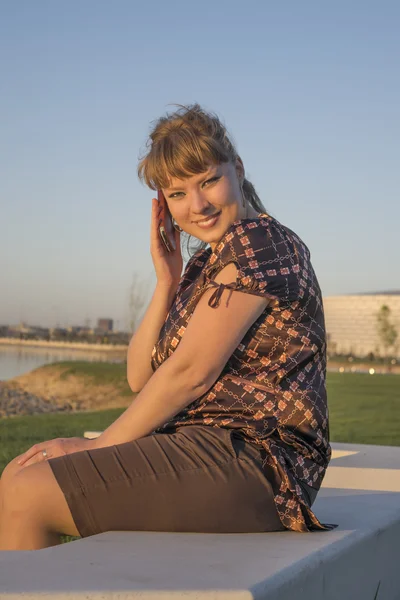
239,168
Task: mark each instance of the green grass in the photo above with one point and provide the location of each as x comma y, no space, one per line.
95,373
17,434
364,409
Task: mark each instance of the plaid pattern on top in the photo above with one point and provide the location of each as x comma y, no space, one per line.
272,389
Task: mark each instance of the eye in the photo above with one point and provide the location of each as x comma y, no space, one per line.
205,184
211,180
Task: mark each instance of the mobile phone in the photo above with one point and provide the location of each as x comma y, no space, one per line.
165,229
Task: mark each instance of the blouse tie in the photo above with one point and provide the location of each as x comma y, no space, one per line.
215,298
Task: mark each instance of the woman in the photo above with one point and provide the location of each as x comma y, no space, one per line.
229,430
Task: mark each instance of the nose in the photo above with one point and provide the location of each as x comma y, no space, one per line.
199,202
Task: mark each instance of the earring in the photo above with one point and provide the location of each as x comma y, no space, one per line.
176,226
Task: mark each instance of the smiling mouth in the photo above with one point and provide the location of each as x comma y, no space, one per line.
208,220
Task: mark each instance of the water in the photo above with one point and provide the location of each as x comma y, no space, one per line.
15,360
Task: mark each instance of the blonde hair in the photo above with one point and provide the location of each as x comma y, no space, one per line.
185,143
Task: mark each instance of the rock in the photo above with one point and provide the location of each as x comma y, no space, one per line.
15,401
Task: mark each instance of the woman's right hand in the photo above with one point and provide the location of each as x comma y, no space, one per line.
167,265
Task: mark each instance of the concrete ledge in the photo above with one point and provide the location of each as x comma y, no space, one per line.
358,560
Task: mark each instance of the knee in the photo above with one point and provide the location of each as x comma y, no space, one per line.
13,488
9,473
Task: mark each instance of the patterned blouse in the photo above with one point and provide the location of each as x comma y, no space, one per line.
272,389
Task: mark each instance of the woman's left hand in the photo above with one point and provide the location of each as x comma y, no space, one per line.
54,448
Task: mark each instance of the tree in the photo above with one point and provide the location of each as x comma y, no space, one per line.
386,329
137,301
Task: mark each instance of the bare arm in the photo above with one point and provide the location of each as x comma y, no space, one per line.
141,345
210,338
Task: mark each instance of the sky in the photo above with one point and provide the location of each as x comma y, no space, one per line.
310,92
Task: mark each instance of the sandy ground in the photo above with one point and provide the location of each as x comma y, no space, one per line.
73,390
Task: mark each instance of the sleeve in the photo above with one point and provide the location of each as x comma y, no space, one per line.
267,259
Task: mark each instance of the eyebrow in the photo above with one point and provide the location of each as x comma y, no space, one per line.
175,189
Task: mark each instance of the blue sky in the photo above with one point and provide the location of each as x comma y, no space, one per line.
309,90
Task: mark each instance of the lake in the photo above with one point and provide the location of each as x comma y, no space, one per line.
15,360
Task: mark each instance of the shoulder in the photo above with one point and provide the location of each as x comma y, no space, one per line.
270,257
258,238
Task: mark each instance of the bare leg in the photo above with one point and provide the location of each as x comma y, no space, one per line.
10,470
34,511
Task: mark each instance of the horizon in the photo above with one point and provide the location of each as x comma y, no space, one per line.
61,326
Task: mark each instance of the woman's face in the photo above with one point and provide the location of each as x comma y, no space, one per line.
205,205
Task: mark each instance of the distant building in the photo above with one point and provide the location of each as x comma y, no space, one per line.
351,323
105,325
79,330
58,333
25,331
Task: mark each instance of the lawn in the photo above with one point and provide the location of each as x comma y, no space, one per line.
97,373
19,433
363,409
91,373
